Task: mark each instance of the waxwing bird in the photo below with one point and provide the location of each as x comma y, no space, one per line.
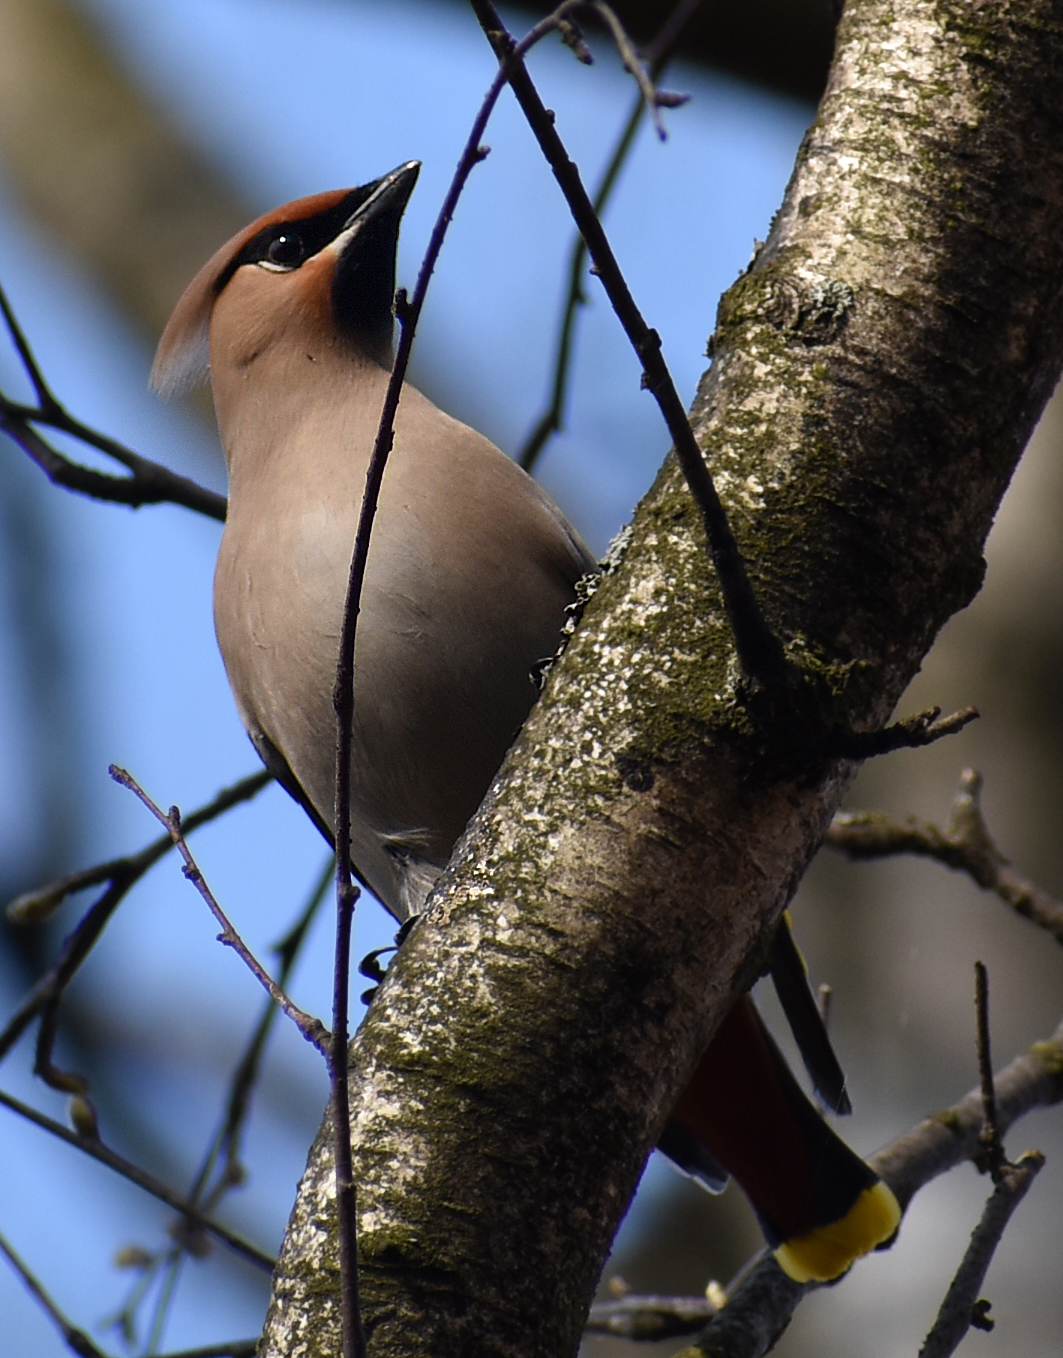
471,568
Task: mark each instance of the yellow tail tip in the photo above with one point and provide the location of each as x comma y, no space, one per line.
825,1253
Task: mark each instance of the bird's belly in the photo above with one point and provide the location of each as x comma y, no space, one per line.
433,719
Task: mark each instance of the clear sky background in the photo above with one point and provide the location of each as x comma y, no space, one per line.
289,97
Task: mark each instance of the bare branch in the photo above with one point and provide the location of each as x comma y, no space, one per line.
149,482
550,421
121,874
653,98
758,1310
36,905
650,1317
991,1156
965,845
214,1181
77,1341
246,1071
311,1028
670,32
910,734
579,898
45,400
98,1151
961,1308
354,1341
938,1143
407,310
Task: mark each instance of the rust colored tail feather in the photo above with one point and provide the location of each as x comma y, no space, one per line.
819,1204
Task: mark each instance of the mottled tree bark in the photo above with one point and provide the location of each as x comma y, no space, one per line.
876,375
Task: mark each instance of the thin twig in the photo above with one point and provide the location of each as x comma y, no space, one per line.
121,874
77,1341
992,1154
670,32
965,845
760,652
910,734
245,1073
149,482
1034,1079
652,97
225,1144
311,1028
354,1342
962,1308
551,420
649,1317
40,903
183,1248
45,399
408,310
98,1151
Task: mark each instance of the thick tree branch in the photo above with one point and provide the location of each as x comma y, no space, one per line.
877,373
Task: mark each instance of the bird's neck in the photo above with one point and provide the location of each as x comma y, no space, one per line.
314,408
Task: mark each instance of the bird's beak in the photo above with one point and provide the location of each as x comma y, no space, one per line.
389,195
363,284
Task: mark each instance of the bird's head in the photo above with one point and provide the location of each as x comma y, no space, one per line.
319,270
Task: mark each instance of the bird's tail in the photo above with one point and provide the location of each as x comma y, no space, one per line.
819,1204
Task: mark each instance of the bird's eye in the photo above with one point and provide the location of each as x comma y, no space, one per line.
286,249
